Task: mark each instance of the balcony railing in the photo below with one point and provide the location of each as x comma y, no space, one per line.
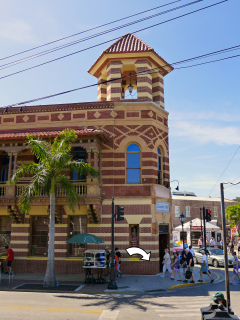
80,188
2,190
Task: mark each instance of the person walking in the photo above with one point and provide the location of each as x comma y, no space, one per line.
200,243
184,257
190,264
192,251
10,258
107,260
166,263
235,268
118,253
204,267
176,265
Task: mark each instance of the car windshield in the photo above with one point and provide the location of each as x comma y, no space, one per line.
216,252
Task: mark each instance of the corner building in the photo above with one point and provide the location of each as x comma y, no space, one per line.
124,134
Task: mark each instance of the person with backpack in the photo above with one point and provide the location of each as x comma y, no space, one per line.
190,264
177,266
183,259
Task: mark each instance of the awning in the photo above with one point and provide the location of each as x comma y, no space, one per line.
196,226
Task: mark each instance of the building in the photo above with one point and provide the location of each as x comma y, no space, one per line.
191,206
124,134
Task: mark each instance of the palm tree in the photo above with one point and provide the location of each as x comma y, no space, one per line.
47,173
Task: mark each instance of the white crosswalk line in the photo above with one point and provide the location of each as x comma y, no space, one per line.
109,315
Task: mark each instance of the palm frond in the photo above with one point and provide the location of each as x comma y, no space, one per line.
63,143
25,169
40,148
83,168
72,197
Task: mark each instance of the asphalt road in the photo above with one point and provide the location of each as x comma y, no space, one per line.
183,303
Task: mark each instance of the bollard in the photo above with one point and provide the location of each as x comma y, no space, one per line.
219,315
209,309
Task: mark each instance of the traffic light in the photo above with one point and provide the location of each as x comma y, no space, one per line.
208,215
120,213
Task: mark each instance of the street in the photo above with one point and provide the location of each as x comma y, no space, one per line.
183,303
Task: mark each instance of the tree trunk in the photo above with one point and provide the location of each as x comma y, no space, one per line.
50,280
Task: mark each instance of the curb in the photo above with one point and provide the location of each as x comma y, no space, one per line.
194,284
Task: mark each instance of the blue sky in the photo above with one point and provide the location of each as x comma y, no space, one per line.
203,102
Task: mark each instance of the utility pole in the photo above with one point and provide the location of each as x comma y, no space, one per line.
112,282
225,249
204,230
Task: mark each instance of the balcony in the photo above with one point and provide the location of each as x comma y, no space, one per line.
83,189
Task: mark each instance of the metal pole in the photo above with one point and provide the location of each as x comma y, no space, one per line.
191,232
112,283
225,249
201,222
204,231
182,237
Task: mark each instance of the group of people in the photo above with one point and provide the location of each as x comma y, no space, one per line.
211,243
117,262
186,260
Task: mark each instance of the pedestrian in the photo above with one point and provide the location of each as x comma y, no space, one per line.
190,264
192,251
221,244
231,247
183,260
204,267
200,244
218,298
116,266
166,263
118,253
235,268
10,258
176,265
212,242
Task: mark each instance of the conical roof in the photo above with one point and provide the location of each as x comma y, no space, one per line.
129,44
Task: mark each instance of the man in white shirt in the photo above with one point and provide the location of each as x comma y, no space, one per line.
212,242
204,267
192,251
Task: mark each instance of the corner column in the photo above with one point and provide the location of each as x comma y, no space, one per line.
144,80
114,88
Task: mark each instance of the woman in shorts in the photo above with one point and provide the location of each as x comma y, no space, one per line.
177,266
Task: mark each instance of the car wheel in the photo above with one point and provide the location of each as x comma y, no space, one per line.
215,263
195,260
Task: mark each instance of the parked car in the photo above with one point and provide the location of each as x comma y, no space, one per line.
177,247
215,257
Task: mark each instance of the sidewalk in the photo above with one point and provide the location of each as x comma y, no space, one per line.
126,284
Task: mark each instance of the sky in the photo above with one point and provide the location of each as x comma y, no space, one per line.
202,101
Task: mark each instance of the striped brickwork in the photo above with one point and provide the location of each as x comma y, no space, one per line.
157,88
114,88
102,89
144,80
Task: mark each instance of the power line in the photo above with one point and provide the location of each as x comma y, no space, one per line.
142,72
56,59
94,28
225,169
37,55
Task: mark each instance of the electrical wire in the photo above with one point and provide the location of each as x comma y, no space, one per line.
94,28
37,55
225,169
127,76
56,59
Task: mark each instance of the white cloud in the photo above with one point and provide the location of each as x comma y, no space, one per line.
202,133
16,30
226,117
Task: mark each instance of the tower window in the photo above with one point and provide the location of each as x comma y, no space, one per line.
133,163
159,165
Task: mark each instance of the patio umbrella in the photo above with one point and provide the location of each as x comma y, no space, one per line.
85,238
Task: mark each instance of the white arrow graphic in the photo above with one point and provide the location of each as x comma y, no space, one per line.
136,250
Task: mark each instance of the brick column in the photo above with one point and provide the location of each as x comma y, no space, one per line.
102,89
10,166
157,88
144,81
114,88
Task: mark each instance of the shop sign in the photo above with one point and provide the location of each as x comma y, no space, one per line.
162,206
163,228
196,228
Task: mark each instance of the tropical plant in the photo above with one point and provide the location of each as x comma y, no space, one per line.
48,173
233,215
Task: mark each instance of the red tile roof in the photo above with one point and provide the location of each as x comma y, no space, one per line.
128,43
51,134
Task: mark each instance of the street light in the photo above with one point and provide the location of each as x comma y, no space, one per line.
177,188
182,219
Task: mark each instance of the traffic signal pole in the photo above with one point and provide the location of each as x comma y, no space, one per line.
204,230
225,249
112,282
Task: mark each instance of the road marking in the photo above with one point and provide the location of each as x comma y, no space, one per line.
50,309
109,315
80,287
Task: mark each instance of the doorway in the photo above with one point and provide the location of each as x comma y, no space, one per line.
163,244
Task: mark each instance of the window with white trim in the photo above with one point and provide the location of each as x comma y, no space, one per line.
215,212
177,211
187,211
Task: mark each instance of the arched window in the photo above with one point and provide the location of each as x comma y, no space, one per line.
133,163
79,154
159,165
